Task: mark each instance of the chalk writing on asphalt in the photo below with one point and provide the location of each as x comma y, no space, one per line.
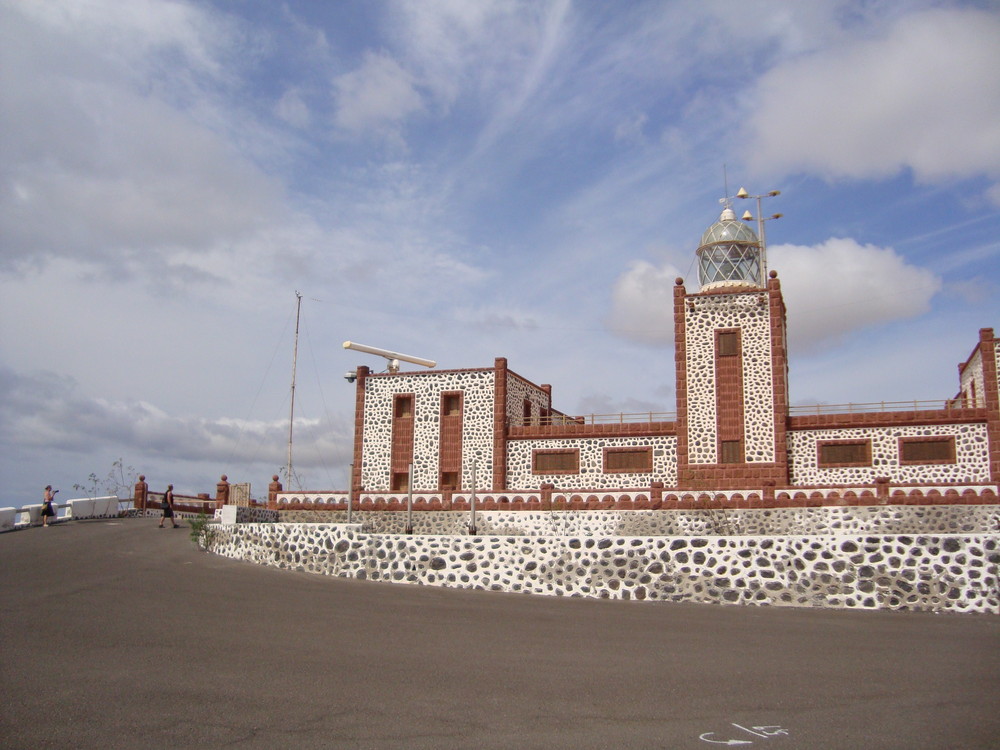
732,738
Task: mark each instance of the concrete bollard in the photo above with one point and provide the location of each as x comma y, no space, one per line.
8,519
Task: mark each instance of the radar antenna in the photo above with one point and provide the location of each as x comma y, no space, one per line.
394,358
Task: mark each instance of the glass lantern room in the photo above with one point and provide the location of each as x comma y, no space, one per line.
729,254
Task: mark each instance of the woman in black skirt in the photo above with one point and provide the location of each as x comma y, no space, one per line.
168,506
47,510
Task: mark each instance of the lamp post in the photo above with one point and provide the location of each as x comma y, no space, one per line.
747,216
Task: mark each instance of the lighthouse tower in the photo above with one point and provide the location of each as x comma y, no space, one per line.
732,366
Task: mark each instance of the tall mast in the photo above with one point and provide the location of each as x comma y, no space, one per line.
295,359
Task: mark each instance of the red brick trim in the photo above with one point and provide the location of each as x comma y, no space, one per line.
680,368
958,415
617,429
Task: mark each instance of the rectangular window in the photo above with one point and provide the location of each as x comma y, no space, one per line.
449,480
404,406
928,450
400,481
727,343
628,460
451,404
730,452
836,453
556,462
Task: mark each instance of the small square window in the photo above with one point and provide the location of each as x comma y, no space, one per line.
730,452
404,407
727,343
451,405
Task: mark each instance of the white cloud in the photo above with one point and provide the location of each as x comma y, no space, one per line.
643,303
840,286
830,290
923,96
378,97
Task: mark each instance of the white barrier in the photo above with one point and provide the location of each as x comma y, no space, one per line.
8,519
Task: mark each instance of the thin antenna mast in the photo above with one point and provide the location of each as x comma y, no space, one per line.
295,359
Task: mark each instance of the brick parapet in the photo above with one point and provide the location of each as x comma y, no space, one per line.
574,430
958,415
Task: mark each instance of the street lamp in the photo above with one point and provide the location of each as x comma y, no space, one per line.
747,216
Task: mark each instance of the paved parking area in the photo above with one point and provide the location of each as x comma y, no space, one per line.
119,634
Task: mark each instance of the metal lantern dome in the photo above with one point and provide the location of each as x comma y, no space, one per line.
729,254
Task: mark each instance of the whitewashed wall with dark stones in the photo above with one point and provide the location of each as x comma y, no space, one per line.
592,476
955,573
477,429
748,312
971,465
519,391
972,383
885,519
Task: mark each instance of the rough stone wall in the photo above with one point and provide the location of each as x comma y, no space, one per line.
934,572
972,386
971,456
520,390
477,425
885,519
592,476
748,313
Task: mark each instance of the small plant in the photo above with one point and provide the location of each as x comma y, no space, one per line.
202,531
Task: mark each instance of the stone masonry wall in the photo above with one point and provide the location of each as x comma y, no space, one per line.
956,573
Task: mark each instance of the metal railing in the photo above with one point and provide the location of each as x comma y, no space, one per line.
592,419
877,406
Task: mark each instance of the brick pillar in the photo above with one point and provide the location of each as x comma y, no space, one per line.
882,490
272,492
359,433
222,492
499,468
767,497
989,352
140,492
546,489
656,492
680,365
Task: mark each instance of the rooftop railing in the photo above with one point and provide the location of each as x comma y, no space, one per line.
591,419
877,406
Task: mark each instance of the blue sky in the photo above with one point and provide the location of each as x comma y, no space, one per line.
462,181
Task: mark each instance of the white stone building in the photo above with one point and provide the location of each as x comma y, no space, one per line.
733,438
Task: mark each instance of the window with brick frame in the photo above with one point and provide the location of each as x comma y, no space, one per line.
628,460
837,453
565,461
403,406
400,481
727,343
927,450
730,452
449,480
451,404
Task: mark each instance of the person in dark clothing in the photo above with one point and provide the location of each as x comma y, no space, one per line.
47,510
168,506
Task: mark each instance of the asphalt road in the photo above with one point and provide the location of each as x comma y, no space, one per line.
117,634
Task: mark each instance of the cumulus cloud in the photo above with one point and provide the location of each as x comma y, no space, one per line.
100,164
643,303
924,96
840,286
378,97
830,290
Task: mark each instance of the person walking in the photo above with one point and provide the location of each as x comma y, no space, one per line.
47,510
168,506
